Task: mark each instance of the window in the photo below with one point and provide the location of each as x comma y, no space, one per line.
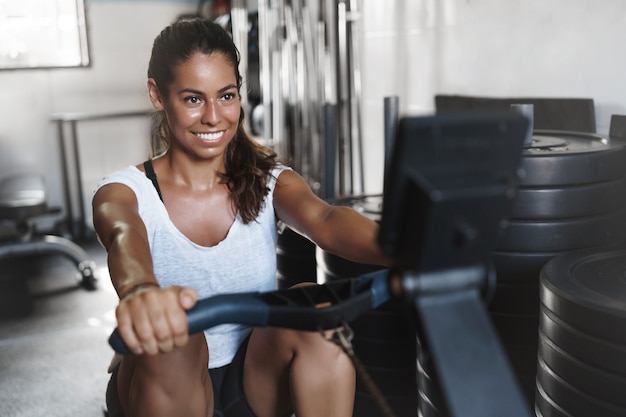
43,34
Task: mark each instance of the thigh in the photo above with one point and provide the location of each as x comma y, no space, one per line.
164,384
114,408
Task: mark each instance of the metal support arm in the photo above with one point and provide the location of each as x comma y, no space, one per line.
474,373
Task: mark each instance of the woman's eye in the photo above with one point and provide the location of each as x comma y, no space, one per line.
229,96
193,100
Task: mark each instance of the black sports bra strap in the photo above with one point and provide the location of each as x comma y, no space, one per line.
152,176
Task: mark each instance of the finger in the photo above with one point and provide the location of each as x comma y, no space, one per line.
143,319
187,297
180,327
170,322
163,332
127,332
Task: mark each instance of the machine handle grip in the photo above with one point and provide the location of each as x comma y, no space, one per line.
339,302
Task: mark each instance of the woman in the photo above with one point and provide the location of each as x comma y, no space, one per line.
198,220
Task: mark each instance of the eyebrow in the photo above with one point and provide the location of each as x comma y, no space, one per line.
199,93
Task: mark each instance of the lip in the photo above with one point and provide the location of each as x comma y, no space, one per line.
210,136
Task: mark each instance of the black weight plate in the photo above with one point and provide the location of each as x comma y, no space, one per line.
515,298
290,242
428,382
586,289
526,384
516,329
571,159
563,235
402,406
385,354
337,265
390,381
426,408
284,282
599,353
523,362
385,325
431,391
521,267
573,400
325,276
546,407
606,386
430,406
298,267
523,359
569,201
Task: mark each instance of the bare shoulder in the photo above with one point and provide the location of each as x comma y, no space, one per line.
288,176
290,185
114,193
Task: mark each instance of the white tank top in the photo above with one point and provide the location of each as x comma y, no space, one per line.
245,261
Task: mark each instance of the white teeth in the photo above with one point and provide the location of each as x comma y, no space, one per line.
210,136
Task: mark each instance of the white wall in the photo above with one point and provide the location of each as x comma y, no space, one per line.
410,48
120,38
560,48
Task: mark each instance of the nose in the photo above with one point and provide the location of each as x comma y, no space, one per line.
211,115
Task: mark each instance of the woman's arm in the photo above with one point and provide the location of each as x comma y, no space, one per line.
149,320
339,230
123,234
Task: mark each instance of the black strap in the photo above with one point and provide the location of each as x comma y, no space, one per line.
152,176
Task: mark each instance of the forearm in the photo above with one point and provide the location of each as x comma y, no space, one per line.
129,261
123,234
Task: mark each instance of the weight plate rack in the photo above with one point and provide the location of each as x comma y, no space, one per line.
571,197
582,347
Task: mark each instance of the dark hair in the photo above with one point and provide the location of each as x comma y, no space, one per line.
248,164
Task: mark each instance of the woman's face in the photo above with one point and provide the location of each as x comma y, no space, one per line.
203,105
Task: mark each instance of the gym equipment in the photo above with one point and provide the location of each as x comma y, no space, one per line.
571,198
446,197
22,199
447,192
295,258
617,127
555,113
582,348
291,308
384,339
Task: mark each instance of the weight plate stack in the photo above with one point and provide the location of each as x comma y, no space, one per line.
571,197
582,346
430,396
384,339
295,259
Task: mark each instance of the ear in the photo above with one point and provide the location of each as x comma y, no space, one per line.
155,95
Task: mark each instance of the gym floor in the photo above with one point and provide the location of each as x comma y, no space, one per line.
53,337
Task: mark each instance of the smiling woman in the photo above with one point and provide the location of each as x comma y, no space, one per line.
35,34
203,103
200,219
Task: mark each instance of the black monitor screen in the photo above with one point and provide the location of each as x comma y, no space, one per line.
449,186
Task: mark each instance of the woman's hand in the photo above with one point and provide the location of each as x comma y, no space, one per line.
152,320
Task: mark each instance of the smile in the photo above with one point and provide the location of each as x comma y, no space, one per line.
211,137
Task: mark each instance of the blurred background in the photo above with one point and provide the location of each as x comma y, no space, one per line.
412,49
318,76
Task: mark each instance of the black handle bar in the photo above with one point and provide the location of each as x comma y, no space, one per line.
294,308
